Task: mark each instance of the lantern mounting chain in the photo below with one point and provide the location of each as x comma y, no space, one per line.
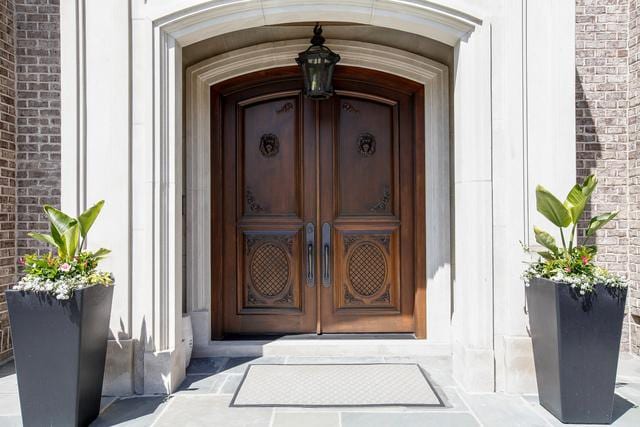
317,64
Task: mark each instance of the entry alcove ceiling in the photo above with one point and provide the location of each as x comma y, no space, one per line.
408,42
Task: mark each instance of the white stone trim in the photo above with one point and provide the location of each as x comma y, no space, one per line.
190,21
73,122
167,212
433,75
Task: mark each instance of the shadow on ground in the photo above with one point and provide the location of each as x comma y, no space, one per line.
132,411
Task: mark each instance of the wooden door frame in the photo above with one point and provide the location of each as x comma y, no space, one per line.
269,76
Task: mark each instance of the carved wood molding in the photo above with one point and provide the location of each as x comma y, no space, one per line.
285,108
252,203
348,107
382,204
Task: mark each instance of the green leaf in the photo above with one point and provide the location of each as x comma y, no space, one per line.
591,249
43,238
59,243
589,184
546,240
579,196
87,218
552,208
70,238
597,222
101,253
60,220
547,255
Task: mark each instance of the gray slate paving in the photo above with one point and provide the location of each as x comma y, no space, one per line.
204,397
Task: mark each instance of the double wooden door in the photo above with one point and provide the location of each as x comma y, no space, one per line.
318,207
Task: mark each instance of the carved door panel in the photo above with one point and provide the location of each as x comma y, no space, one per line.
367,196
268,182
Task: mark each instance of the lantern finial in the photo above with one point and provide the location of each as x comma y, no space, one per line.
317,39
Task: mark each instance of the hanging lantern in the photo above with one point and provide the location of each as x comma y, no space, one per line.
317,64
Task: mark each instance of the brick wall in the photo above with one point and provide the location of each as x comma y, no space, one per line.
29,132
633,121
38,115
7,168
607,135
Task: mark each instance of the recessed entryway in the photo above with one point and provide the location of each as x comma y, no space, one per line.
320,205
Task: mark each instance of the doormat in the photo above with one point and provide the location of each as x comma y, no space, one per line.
393,384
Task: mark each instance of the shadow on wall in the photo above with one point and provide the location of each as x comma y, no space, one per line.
143,343
588,148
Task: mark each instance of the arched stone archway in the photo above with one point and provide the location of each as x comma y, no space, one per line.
137,79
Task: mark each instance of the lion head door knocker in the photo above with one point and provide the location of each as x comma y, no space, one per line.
366,144
269,145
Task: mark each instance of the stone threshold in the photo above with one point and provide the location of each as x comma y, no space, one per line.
324,347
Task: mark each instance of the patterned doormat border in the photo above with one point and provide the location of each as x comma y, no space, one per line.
423,375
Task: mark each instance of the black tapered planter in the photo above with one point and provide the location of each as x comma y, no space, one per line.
60,348
576,342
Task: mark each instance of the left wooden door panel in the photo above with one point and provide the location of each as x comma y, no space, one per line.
267,157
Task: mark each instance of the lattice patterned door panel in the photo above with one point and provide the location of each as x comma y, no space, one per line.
366,271
270,273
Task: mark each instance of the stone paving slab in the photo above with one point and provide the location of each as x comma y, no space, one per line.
209,365
306,419
198,411
201,384
411,419
239,364
493,409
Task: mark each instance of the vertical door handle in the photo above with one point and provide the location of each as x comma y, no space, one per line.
311,238
326,255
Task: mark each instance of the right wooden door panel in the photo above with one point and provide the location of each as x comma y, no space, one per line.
366,145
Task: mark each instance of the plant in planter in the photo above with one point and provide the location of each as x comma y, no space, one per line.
59,313
575,313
